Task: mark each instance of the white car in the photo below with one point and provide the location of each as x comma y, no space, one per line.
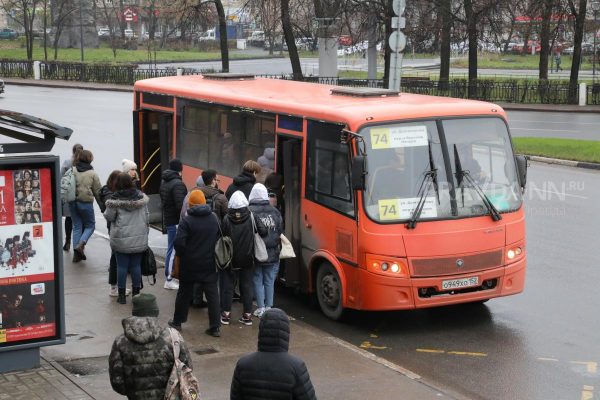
129,33
103,32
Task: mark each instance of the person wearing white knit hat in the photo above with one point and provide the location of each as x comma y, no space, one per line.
130,167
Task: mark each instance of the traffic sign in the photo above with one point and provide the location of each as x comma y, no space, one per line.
398,6
397,41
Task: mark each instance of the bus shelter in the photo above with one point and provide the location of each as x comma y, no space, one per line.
32,311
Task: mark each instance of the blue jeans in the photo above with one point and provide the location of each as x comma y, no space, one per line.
171,232
131,263
264,283
84,221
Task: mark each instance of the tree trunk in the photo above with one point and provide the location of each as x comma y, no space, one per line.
288,33
446,15
579,27
223,36
545,39
472,34
44,26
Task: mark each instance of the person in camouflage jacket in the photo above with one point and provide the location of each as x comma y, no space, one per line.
141,359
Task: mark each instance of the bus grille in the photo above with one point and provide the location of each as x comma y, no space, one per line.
449,265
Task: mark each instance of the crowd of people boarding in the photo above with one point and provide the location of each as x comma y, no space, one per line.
197,222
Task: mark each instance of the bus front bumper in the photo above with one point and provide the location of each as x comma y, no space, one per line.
379,292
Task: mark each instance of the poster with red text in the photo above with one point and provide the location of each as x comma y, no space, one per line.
27,263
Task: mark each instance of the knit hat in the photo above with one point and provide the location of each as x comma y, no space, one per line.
175,165
144,305
196,198
199,181
128,165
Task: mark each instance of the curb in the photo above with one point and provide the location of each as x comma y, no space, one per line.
60,85
566,163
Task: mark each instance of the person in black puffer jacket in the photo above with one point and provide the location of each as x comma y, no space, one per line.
141,359
244,181
237,224
195,245
271,373
266,272
172,195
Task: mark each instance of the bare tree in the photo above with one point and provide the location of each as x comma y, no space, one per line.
111,17
548,7
288,33
24,11
223,36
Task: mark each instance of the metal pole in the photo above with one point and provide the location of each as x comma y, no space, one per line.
594,52
81,27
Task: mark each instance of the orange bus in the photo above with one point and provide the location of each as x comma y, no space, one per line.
392,201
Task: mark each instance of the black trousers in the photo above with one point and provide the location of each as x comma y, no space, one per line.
68,229
184,297
226,281
112,270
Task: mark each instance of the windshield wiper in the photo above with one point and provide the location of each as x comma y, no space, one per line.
432,175
460,174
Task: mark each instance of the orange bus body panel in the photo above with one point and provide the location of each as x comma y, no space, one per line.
431,244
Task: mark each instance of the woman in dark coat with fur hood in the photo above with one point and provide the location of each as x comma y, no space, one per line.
127,212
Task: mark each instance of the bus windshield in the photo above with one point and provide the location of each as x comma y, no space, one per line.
401,156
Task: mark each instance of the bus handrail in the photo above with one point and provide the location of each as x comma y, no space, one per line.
149,175
150,158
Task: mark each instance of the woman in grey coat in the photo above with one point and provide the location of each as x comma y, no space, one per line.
66,212
127,212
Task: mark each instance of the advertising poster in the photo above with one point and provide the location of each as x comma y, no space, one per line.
27,259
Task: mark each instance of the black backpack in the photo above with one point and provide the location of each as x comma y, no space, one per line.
149,265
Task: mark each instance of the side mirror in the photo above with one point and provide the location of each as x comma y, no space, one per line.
522,169
358,173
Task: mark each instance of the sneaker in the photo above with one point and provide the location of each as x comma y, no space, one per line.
173,284
114,291
225,318
246,319
174,325
214,332
259,312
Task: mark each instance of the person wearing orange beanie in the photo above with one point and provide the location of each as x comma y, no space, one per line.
194,243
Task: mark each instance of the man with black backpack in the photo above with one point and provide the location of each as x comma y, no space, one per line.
214,196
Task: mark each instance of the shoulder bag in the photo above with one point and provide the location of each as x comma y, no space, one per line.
260,249
287,250
182,384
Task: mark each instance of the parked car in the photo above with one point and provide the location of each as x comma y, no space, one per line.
129,33
7,33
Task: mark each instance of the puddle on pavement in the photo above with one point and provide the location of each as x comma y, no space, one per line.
204,350
86,366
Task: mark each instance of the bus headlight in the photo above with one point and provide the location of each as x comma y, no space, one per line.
513,253
387,266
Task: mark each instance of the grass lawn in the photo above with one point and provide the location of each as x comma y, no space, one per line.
516,61
10,49
566,149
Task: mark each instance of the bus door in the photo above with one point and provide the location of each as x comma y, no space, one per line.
289,165
155,151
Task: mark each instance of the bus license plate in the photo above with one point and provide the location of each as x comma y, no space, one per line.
460,283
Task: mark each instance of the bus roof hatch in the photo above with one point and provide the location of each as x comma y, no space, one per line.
363,92
228,76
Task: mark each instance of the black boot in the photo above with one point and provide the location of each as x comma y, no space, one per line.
134,291
67,245
121,299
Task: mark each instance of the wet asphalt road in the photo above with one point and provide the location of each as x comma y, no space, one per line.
542,344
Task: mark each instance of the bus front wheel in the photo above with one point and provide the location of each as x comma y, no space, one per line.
329,292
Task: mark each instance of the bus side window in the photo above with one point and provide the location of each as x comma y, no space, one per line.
328,169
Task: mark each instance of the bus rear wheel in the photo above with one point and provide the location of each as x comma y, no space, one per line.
329,292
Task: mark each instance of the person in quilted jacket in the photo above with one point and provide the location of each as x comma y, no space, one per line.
141,358
271,373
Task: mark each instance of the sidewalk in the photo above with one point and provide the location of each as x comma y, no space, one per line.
93,319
